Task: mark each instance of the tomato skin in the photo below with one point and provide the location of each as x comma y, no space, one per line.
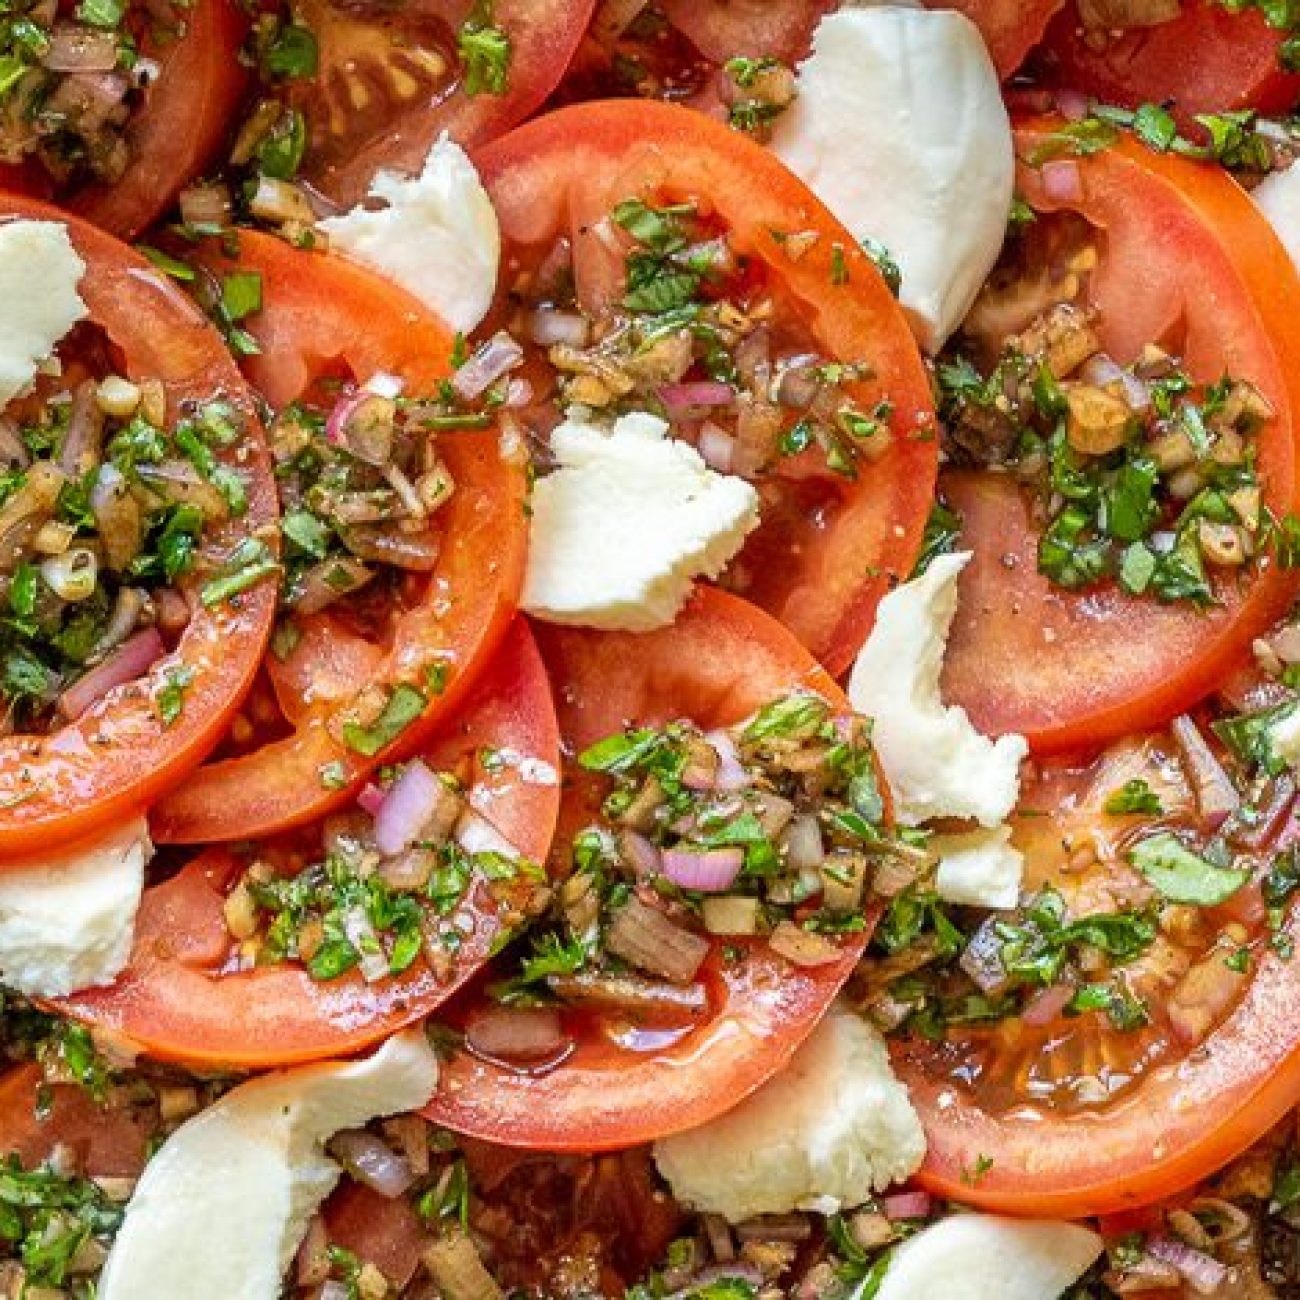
168,1003
107,1143
719,662
1189,1119
1011,28
320,310
185,117
119,756
562,173
1114,664
1205,61
725,29
544,35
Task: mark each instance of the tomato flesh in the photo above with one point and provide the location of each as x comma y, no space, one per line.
1071,670
1011,28
322,312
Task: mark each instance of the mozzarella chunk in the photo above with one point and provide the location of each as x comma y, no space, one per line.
39,303
832,1128
1278,197
626,523
1284,737
982,1257
900,129
436,235
223,1206
936,763
979,868
67,918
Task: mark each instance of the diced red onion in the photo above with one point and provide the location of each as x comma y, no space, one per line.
335,1290
361,935
710,872
551,328
982,959
717,447
803,843
907,1205
1072,105
366,435
74,48
731,771
372,1162
371,798
519,393
205,205
1202,1272
411,801
705,392
642,856
526,1035
344,409
1102,370
1216,796
497,357
1049,1004
1063,181
130,661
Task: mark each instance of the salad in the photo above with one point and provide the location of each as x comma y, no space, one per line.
649,650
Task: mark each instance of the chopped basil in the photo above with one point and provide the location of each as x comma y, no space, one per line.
241,294
250,562
171,695
485,50
404,706
1134,796
291,51
1183,876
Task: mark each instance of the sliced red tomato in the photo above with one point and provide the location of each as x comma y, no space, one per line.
108,1143
323,314
1207,60
184,118
174,1000
392,80
121,754
724,29
1187,262
828,547
1218,1064
722,660
1011,28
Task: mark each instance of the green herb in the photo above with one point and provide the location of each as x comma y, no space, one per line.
1134,796
280,151
839,266
1183,876
171,694
106,14
942,533
1125,1012
250,562
291,52
485,50
241,294
405,705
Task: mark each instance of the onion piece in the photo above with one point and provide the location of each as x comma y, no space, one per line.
371,799
907,1205
717,448
522,1035
645,937
1063,181
802,947
410,805
1215,794
982,959
650,1000
549,328
640,853
712,871
803,843
1047,1005
74,48
372,1162
1202,1272
129,662
497,357
731,771
678,398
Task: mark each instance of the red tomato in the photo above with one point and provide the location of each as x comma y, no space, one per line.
1188,261
828,547
172,999
120,755
719,662
723,29
1207,60
1011,28
322,312
392,81
108,1143
185,116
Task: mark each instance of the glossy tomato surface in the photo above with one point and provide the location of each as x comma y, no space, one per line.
1011,28
1187,262
174,999
323,315
722,660
121,754
828,546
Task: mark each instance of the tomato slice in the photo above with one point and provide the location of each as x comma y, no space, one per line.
723,29
1186,261
1007,1123
1207,60
323,314
828,546
185,116
108,1143
121,753
1011,28
390,82
719,662
174,1001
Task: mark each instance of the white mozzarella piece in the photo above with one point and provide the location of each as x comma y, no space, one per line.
979,868
832,1128
67,918
626,523
436,235
1284,737
39,303
983,1257
1278,197
224,1204
936,763
900,129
